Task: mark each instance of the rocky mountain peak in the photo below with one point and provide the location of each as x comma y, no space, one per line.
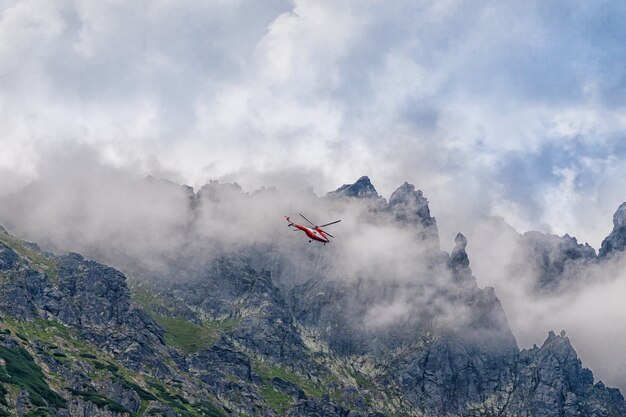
616,241
460,242
619,218
458,256
459,261
554,340
406,190
362,188
408,205
555,260
406,193
559,348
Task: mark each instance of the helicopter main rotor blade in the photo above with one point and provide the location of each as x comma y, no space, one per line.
326,233
328,224
310,222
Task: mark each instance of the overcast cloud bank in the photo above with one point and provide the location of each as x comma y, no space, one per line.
500,108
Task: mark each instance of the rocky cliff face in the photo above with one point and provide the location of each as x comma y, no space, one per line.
257,330
409,206
74,344
561,263
82,294
616,241
551,381
362,188
555,261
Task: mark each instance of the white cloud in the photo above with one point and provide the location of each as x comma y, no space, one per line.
444,94
501,108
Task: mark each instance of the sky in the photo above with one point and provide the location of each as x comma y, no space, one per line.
522,104
493,108
498,108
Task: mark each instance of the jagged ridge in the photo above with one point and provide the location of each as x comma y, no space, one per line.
276,350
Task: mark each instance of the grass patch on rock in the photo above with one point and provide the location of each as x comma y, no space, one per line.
267,372
190,337
276,400
183,334
37,260
20,369
209,410
101,401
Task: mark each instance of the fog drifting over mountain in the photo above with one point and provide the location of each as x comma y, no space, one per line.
500,108
160,228
497,109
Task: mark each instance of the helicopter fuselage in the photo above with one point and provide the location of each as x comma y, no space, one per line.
313,234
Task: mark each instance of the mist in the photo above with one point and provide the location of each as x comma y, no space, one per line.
293,93
152,228
587,303
505,120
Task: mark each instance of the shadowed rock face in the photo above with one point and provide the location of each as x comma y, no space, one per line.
560,263
555,261
616,241
409,206
458,256
362,188
95,299
85,295
551,381
8,258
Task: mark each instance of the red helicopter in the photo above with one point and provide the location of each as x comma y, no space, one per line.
314,233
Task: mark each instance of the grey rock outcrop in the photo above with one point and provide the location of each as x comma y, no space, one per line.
459,261
9,260
409,206
87,296
96,300
317,408
551,381
616,241
557,264
362,188
555,261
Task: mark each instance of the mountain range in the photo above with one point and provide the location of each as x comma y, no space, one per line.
211,309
